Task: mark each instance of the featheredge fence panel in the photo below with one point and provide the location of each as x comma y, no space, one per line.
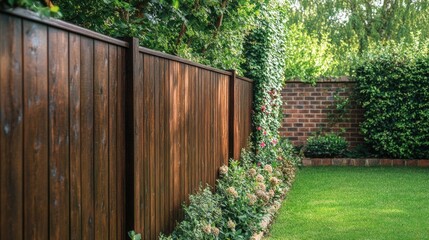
61,141
183,113
99,136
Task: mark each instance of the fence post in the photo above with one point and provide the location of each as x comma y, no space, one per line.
231,116
131,129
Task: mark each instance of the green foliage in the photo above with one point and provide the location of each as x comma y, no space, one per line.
307,57
35,5
208,32
361,151
393,88
246,193
264,51
202,217
329,36
339,108
329,145
134,236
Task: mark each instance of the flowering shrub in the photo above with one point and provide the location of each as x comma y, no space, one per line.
203,217
247,193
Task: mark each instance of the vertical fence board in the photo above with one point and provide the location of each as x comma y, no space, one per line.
101,135
181,159
75,160
185,147
121,146
67,161
36,205
161,140
157,145
113,138
87,136
198,126
169,165
58,135
174,131
11,129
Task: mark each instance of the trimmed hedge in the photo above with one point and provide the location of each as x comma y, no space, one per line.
394,92
329,145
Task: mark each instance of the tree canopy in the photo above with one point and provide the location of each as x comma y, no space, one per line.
207,31
363,21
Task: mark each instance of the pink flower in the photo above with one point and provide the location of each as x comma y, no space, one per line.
263,108
274,141
259,128
265,133
262,144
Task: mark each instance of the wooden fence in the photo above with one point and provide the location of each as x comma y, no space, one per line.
100,136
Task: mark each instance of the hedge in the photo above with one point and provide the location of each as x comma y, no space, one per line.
394,92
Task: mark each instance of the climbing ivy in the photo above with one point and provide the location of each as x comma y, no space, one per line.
264,51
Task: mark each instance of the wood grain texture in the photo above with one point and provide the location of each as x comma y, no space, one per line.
121,146
87,137
113,138
98,137
36,136
11,129
58,135
101,139
75,138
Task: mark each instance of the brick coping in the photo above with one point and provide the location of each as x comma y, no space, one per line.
364,162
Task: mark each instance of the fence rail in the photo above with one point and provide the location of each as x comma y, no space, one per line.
99,136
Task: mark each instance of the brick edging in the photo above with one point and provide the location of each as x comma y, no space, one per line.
364,162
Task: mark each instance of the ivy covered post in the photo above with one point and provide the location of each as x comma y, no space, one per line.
265,61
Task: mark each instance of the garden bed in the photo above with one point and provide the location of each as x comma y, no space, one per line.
364,162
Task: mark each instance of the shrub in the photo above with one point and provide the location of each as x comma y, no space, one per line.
329,145
393,89
246,193
203,217
361,151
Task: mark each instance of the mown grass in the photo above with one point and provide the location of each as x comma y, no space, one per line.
355,203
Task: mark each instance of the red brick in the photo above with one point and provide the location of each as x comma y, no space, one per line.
326,162
306,162
398,162
385,162
316,162
372,162
423,163
357,162
412,163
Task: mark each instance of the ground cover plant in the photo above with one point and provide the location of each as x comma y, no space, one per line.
355,203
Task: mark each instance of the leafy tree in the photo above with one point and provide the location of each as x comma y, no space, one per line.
369,20
43,7
308,58
210,32
351,28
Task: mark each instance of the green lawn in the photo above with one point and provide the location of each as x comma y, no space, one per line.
355,203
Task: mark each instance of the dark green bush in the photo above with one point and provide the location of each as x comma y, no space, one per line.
329,145
361,151
394,92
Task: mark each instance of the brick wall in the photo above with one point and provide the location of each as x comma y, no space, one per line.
306,109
